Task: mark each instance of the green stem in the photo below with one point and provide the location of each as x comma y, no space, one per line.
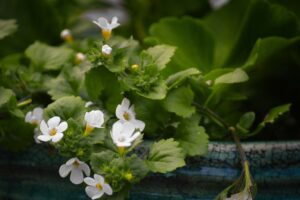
231,129
24,103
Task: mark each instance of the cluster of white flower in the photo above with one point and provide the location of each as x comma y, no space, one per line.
123,133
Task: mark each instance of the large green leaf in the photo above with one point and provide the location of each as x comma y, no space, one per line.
243,22
7,99
192,137
45,57
194,43
179,101
165,156
7,27
161,55
66,108
265,48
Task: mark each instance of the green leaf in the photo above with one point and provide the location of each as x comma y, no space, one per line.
15,134
161,55
175,79
157,92
7,99
179,101
237,76
66,108
194,43
165,156
100,159
240,18
192,137
44,57
246,122
274,113
265,48
138,168
270,118
7,27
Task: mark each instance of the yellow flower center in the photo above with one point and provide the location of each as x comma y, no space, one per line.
88,129
76,163
126,116
106,34
69,38
53,132
99,186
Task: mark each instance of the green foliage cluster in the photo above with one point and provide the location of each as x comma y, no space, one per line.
190,69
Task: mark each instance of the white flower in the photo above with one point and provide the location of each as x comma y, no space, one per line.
88,104
97,187
217,4
66,35
125,113
123,134
80,57
106,50
35,116
37,132
106,26
244,195
94,118
77,168
53,130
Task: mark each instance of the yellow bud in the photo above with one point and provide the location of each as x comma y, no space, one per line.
128,176
80,152
88,129
135,67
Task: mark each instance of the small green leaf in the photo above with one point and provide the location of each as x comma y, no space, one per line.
175,79
7,99
101,158
237,76
7,27
179,101
165,156
246,122
45,57
138,168
157,92
161,55
192,137
66,108
273,114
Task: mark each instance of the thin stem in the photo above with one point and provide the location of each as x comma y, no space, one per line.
221,122
23,103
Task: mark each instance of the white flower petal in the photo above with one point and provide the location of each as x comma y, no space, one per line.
71,161
53,122
76,176
85,168
122,144
107,189
99,179
136,135
102,23
38,113
128,128
139,124
91,191
119,112
114,20
88,104
98,195
90,181
62,127
44,128
64,170
57,137
44,138
125,103
28,117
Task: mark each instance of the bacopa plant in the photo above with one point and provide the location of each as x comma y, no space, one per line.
96,101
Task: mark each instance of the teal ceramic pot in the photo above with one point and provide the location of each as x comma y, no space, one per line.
275,166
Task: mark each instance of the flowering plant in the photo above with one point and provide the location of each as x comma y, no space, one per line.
102,97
